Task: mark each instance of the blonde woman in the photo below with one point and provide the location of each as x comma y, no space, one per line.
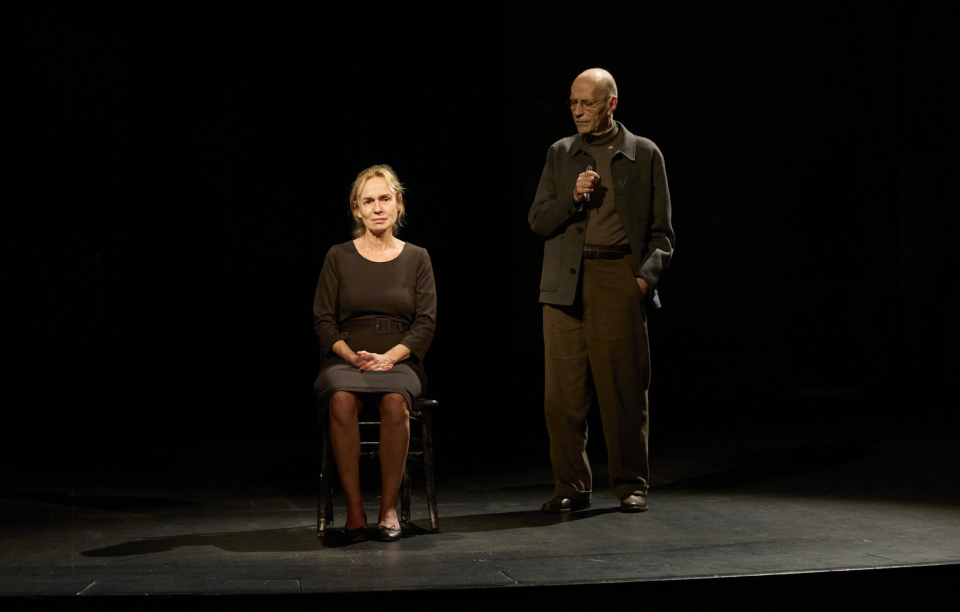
375,315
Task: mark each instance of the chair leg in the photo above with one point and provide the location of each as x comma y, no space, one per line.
329,512
405,495
325,497
428,470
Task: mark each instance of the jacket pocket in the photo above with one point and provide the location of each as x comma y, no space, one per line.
550,275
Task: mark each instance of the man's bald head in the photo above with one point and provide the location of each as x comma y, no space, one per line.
602,81
593,98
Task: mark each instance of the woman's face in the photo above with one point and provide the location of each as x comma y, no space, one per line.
377,206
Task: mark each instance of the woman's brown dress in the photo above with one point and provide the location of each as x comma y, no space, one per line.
374,306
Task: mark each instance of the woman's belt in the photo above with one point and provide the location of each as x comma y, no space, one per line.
380,325
606,252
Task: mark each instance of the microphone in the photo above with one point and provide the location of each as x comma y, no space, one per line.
589,169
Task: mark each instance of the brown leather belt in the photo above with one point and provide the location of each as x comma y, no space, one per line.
381,325
606,252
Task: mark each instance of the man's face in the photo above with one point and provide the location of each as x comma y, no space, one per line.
377,206
597,120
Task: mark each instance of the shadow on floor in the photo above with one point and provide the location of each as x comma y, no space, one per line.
523,519
303,539
291,539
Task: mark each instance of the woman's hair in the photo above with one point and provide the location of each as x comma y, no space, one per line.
393,184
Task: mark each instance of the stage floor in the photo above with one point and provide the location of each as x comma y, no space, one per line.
230,518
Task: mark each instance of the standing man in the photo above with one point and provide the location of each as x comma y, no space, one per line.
604,210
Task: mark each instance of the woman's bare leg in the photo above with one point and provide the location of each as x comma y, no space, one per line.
345,439
394,439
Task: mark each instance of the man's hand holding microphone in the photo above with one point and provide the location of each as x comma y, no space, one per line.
586,184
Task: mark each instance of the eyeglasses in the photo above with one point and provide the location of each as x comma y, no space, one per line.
588,105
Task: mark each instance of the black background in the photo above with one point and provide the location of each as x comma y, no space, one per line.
175,176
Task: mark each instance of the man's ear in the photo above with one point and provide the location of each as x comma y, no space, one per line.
612,106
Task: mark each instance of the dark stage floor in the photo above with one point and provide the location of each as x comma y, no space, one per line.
221,517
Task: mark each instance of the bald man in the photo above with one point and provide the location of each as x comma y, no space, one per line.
603,208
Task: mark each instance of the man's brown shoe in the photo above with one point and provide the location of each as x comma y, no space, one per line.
634,503
564,504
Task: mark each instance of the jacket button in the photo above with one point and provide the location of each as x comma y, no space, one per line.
573,270
579,230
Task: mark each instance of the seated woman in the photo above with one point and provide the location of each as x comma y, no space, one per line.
375,314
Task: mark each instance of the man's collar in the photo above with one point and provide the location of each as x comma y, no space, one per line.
628,148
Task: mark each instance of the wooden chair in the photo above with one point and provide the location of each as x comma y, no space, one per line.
420,452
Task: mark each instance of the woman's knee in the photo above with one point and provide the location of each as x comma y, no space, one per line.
394,409
344,406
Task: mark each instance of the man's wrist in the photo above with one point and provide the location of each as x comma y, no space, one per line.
578,203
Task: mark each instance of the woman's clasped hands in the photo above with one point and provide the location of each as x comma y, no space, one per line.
373,361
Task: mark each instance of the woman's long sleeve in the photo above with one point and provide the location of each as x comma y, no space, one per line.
420,334
326,315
